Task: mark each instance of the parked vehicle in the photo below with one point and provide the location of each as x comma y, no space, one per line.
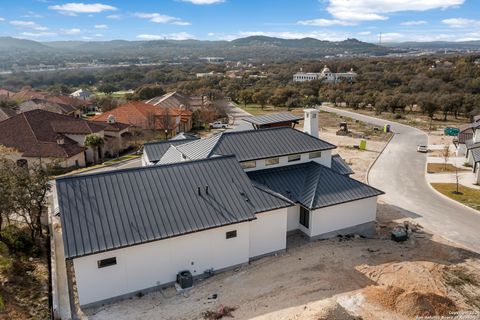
218,125
422,148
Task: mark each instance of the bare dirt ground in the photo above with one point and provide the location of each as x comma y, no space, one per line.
340,278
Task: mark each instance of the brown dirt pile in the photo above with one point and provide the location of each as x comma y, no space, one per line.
409,303
336,312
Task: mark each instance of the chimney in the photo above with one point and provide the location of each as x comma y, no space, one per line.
111,119
60,140
310,122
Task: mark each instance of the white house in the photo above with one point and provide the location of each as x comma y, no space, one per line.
207,205
325,75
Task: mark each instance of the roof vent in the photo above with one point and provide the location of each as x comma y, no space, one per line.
199,191
111,119
206,190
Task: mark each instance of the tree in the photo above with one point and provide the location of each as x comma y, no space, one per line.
93,141
105,103
261,97
7,203
446,156
31,187
147,92
245,96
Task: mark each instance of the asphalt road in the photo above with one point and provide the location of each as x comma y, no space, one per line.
400,172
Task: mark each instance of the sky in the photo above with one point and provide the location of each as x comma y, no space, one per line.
101,20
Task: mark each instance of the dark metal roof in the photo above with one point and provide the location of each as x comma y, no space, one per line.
476,154
156,150
313,185
273,119
116,209
255,144
339,165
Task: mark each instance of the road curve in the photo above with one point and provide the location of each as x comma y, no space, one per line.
400,172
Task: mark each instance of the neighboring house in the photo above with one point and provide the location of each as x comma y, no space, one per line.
52,104
43,137
326,75
6,113
6,93
176,100
82,94
148,117
225,201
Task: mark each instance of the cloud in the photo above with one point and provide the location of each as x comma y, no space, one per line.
2,19
87,38
114,17
325,22
101,26
31,14
203,2
369,10
74,8
161,18
37,34
72,31
170,36
365,33
27,25
414,23
461,22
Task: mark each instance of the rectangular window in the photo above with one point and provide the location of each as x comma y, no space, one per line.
315,154
304,217
107,262
231,234
272,161
248,164
294,157
314,115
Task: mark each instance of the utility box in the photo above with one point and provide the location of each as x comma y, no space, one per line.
386,128
363,144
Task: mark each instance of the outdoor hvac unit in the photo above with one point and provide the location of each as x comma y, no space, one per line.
185,279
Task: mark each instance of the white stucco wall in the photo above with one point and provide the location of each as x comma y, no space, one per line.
325,159
293,218
156,263
342,216
268,233
145,160
462,149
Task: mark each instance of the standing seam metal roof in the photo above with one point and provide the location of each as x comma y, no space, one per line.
313,185
156,150
339,165
116,209
255,144
475,154
273,118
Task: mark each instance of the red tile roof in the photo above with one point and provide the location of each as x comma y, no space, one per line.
34,133
138,114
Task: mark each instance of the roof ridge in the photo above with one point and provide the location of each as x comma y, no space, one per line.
29,126
146,168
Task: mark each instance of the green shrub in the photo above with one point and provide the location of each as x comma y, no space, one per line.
17,240
2,304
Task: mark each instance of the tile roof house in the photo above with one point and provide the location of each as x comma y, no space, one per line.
6,113
44,137
149,117
176,100
215,204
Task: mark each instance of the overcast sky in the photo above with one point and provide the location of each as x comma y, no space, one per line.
397,20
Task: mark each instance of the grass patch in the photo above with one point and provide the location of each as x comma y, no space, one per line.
123,158
467,196
257,110
465,283
441,168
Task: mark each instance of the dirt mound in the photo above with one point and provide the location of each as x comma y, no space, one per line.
336,312
410,303
415,304
410,276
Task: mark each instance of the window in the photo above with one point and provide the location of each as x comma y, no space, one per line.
248,164
231,234
314,115
304,217
294,157
107,262
272,161
315,154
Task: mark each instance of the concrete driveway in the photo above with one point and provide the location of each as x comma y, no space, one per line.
400,172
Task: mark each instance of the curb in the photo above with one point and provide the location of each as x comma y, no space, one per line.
378,156
444,196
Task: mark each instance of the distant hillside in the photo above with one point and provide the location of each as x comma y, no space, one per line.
436,45
26,52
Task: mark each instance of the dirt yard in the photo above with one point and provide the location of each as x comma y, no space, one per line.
340,278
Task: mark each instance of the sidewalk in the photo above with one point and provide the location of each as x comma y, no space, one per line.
466,179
